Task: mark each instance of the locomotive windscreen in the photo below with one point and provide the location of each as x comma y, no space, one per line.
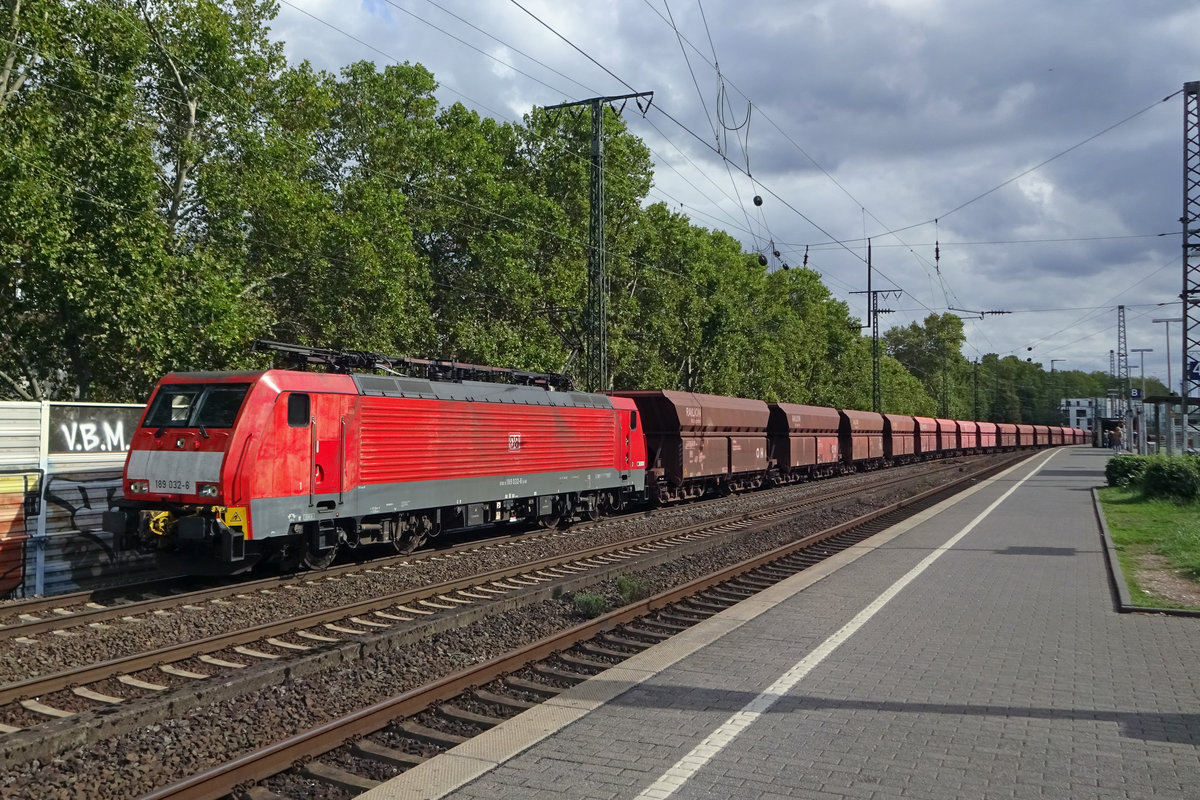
196,405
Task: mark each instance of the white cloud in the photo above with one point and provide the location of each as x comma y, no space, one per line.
913,107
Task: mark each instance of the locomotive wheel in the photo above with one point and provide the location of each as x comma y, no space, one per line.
290,558
593,512
419,530
410,542
319,559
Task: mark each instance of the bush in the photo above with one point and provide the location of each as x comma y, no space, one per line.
1171,478
1125,470
631,589
590,605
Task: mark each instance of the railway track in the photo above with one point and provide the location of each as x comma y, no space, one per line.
33,615
118,680
29,618
356,751
292,656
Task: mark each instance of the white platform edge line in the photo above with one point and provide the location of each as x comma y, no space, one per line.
723,736
466,762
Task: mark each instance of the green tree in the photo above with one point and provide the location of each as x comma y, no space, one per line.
932,352
80,239
115,130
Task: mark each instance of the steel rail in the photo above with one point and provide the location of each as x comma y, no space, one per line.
256,766
79,618
170,599
44,684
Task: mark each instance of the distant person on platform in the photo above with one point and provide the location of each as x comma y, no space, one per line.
1115,438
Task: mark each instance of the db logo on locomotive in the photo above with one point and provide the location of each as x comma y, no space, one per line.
514,442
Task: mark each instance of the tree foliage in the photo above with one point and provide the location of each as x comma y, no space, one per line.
175,188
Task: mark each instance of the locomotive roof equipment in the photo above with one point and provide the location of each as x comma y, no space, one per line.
346,361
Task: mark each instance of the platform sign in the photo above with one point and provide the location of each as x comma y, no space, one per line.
1192,373
1135,393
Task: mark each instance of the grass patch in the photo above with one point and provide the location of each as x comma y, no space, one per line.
1148,533
590,604
632,589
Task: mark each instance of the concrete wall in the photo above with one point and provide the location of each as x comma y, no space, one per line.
60,469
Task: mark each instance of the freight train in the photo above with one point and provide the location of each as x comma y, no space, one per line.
232,469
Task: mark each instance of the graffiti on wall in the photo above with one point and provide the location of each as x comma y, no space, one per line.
51,521
19,501
84,500
91,429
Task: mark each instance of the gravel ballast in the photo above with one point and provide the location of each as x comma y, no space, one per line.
205,734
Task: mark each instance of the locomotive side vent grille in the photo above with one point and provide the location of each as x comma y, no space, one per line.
392,387
413,386
474,391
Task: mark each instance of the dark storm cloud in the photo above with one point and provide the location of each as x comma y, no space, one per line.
913,107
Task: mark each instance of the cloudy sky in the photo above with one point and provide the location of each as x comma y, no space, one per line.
1040,145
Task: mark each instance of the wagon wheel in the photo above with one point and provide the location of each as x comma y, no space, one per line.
549,521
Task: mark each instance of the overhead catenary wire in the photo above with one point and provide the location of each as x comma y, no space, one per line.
626,84
491,57
894,231
432,192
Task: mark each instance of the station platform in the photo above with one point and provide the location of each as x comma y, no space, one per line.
974,651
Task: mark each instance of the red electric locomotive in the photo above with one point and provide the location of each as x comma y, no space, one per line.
230,468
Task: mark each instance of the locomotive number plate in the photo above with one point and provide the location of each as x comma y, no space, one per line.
174,486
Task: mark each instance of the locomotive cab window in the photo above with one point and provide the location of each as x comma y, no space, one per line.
633,420
298,410
196,405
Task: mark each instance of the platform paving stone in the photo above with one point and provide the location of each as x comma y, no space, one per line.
1001,671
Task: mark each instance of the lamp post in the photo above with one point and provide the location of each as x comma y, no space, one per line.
1142,414
1054,388
1169,320
1170,388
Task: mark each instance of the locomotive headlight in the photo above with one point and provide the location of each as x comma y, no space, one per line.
139,487
206,489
